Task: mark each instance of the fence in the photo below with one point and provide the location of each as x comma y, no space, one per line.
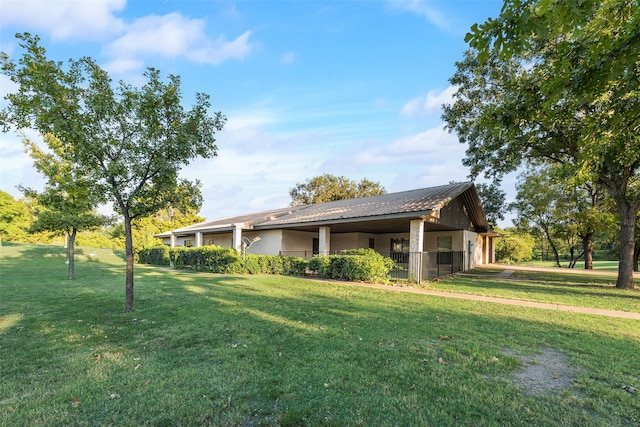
419,266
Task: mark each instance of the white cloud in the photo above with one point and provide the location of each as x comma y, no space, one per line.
65,19
424,9
172,36
433,146
428,104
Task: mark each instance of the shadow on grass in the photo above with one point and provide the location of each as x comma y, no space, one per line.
246,350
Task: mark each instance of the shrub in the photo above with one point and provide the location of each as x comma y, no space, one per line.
275,264
360,265
208,258
156,255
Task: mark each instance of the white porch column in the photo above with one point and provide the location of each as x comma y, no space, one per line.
492,250
416,247
324,241
198,241
237,237
172,240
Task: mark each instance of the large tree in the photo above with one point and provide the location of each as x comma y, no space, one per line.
568,216
67,203
327,188
131,141
559,82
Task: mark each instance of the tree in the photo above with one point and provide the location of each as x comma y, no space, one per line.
327,188
559,82
15,218
493,201
514,246
568,216
132,142
67,204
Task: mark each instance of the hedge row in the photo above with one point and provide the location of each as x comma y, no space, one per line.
363,265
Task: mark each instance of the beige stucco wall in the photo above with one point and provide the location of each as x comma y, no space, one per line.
269,243
224,240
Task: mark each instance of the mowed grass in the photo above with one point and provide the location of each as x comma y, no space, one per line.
558,287
204,349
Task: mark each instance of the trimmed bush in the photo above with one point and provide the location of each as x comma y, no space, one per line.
214,259
275,264
156,255
358,265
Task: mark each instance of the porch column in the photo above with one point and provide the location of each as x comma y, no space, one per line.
172,240
492,250
198,241
416,247
237,237
324,241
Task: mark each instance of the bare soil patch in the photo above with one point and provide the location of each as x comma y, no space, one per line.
543,373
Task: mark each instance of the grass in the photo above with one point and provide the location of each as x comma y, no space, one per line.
204,349
597,291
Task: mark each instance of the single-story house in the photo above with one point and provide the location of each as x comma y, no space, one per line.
429,232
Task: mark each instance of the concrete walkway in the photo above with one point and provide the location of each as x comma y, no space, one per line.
509,270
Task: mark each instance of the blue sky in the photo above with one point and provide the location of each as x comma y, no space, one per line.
351,88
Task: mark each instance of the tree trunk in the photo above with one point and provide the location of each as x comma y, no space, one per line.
71,245
553,248
128,244
628,215
587,244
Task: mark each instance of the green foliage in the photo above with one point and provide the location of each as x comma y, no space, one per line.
15,218
358,265
217,259
557,82
514,246
327,188
157,255
169,218
275,264
131,143
493,201
214,259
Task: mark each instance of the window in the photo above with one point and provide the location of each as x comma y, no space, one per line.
400,245
188,243
444,247
372,243
400,250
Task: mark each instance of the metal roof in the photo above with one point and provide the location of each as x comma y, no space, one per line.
423,202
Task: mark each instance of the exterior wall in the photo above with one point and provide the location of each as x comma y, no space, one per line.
269,243
457,240
225,240
297,243
477,248
454,215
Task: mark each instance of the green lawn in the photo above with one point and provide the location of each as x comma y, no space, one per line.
559,287
204,349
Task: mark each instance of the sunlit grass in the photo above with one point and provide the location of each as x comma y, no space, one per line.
204,349
586,290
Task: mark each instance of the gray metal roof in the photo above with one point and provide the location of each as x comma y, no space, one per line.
404,204
415,203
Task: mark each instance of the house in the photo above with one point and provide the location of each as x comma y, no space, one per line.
429,232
